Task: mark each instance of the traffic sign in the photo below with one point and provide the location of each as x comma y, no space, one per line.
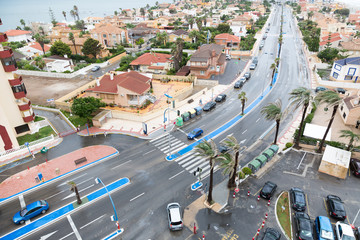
236,190
196,185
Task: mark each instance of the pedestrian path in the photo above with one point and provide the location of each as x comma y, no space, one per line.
162,143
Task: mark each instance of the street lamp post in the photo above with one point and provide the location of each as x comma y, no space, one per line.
114,217
168,110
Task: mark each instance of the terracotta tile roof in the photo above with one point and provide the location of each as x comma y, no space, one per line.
331,40
37,46
156,67
334,35
16,32
180,32
353,45
106,28
132,81
151,58
228,37
205,51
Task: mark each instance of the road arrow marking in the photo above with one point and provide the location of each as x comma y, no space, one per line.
47,235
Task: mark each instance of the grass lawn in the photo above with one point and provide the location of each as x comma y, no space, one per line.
284,215
38,119
43,132
74,119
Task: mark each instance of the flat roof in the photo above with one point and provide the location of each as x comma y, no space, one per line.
316,131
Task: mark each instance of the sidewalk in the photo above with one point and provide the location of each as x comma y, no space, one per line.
52,169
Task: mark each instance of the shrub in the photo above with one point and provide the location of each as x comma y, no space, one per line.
288,145
246,171
241,175
67,71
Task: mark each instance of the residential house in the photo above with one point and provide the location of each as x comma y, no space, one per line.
109,35
354,18
350,110
331,40
91,21
142,31
61,32
208,60
158,63
79,43
114,20
352,47
162,21
18,35
227,40
346,70
58,64
184,35
33,49
40,27
125,89
330,25
164,5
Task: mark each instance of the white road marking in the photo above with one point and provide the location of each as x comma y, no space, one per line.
73,194
244,131
149,152
84,181
71,180
47,235
137,197
176,174
121,164
72,224
55,194
356,216
66,236
22,201
92,222
258,120
202,126
182,131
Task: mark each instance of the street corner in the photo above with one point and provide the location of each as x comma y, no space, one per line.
192,210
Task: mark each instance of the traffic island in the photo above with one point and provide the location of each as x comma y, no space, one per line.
283,215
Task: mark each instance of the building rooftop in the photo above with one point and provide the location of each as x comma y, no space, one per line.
151,58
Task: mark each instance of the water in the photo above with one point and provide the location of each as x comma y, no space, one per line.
11,11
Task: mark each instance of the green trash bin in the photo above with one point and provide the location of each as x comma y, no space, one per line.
262,159
268,153
254,165
44,150
179,121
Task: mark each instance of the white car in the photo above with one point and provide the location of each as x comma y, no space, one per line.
174,216
344,231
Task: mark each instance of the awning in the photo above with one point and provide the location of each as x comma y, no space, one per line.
316,131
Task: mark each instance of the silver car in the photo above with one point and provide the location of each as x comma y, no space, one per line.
252,66
174,216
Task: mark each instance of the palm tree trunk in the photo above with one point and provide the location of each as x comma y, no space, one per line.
328,128
243,106
77,196
210,199
75,48
297,139
350,144
231,182
277,130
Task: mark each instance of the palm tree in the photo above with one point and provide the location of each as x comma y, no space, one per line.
72,13
227,162
64,13
75,189
177,53
272,111
353,137
243,99
273,67
191,22
233,144
76,11
331,99
300,96
199,23
72,39
41,40
22,22
208,150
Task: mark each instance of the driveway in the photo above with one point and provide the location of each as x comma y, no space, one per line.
233,67
55,119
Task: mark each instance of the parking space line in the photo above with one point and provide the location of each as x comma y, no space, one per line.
326,207
307,204
256,194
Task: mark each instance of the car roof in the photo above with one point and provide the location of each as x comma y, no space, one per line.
347,230
334,198
33,205
325,223
197,129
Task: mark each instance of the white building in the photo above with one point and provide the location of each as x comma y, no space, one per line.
58,64
346,70
18,35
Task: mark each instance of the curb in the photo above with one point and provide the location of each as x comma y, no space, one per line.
277,220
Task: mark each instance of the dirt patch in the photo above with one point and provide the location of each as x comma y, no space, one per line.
39,89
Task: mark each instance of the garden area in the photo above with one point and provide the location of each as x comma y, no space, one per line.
42,133
283,213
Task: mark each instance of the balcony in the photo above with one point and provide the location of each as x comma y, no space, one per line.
19,95
6,53
137,102
3,37
9,64
29,118
24,105
16,81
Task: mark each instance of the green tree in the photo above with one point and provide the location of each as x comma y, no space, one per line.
273,111
224,28
310,15
331,99
84,107
125,63
233,144
328,54
273,67
60,48
140,41
243,99
72,13
177,52
74,188
80,25
208,150
64,14
39,62
301,96
22,22
199,23
191,22
353,137
42,40
115,13
142,12
343,12
91,47
52,17
72,39
76,12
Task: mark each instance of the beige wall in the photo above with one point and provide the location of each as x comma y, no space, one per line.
351,117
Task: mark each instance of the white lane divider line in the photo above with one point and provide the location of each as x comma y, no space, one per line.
64,183
148,152
22,201
244,131
55,194
137,197
84,181
92,222
258,120
72,224
66,236
121,164
176,174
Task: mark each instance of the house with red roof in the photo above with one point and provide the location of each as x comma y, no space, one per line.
227,40
331,40
124,89
18,35
34,49
158,63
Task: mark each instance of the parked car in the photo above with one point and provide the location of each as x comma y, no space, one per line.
96,68
220,97
247,75
194,133
174,216
210,105
243,79
355,166
255,60
344,231
264,37
268,190
271,234
297,198
304,228
252,66
228,57
336,207
357,233
319,89
239,84
323,228
261,46
30,211
340,90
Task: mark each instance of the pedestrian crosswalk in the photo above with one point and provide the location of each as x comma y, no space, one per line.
189,161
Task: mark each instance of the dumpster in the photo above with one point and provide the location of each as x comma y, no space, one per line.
262,159
179,121
192,113
254,165
268,153
185,116
44,150
198,110
274,148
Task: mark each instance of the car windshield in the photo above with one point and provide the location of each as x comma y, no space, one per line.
305,233
269,236
339,207
43,203
23,212
193,132
299,198
346,237
326,234
176,223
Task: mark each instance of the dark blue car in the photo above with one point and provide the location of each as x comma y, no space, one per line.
30,211
195,133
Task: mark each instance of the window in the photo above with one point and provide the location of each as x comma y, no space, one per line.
102,96
337,67
335,75
344,115
114,36
22,128
202,72
351,71
203,64
341,108
110,96
347,77
198,63
95,36
19,88
212,68
104,35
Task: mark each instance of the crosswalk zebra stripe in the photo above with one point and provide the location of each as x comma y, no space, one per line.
185,159
207,173
162,141
189,154
176,149
190,162
193,165
172,146
155,139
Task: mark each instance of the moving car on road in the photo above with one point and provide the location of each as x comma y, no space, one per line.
174,216
297,197
255,60
355,166
96,68
271,234
323,228
210,105
304,228
220,97
268,190
30,211
195,133
344,231
336,207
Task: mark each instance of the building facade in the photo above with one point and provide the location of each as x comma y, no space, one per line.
346,70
